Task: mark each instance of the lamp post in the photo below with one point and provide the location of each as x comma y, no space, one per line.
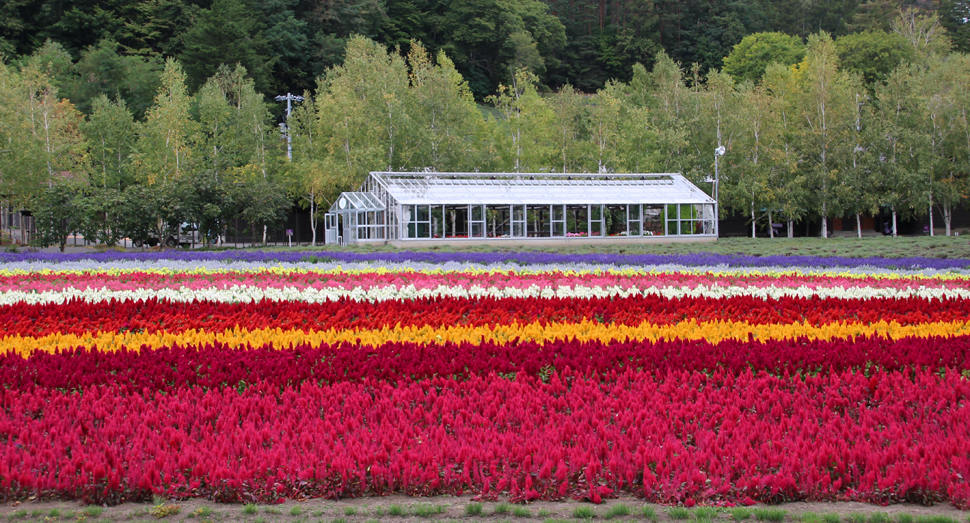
717,152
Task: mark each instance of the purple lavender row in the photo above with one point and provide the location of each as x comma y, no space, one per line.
521,258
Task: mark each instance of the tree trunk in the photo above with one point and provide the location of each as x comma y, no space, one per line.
931,214
771,226
791,228
264,235
313,222
894,221
858,224
947,218
825,220
754,222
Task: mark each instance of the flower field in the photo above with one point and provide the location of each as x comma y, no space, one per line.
259,377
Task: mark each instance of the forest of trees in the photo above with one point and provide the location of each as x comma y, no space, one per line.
119,129
286,45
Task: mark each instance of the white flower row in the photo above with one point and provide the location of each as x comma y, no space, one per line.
248,294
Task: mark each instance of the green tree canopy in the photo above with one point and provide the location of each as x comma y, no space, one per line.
228,33
480,36
873,54
749,58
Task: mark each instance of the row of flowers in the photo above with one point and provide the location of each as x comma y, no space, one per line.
215,365
228,287
541,333
172,316
248,294
493,258
670,438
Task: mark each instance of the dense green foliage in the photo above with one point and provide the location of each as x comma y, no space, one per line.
286,44
149,134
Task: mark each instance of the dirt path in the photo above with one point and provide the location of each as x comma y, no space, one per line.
401,509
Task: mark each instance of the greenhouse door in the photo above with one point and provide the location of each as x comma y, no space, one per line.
332,228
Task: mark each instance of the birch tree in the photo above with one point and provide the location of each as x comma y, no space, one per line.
168,134
789,186
524,125
445,124
569,113
827,113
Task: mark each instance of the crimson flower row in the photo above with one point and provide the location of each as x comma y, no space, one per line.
218,366
77,317
668,437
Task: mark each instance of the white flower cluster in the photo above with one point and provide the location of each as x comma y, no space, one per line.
248,294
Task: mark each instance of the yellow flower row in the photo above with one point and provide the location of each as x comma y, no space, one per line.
584,331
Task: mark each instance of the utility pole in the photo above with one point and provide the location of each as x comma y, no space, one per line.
290,98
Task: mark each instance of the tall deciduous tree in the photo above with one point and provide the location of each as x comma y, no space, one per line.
789,188
828,112
605,128
569,117
168,135
110,132
445,125
524,125
663,93
899,177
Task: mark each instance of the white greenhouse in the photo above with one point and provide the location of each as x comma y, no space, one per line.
420,209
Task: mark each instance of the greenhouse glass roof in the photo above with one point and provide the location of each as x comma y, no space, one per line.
357,201
538,188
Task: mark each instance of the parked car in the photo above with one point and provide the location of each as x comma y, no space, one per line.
186,234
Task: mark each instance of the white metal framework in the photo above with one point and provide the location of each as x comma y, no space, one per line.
396,206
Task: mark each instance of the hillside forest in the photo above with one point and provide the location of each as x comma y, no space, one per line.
118,119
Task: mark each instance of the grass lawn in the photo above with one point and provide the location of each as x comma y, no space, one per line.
882,246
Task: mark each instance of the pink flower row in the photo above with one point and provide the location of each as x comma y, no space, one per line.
53,282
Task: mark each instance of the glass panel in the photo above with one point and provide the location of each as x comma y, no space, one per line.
557,212
408,213
497,224
687,212
518,212
412,230
596,228
634,212
478,229
615,216
437,221
518,229
634,229
672,212
577,223
558,229
456,221
478,213
596,212
537,217
707,227
672,227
